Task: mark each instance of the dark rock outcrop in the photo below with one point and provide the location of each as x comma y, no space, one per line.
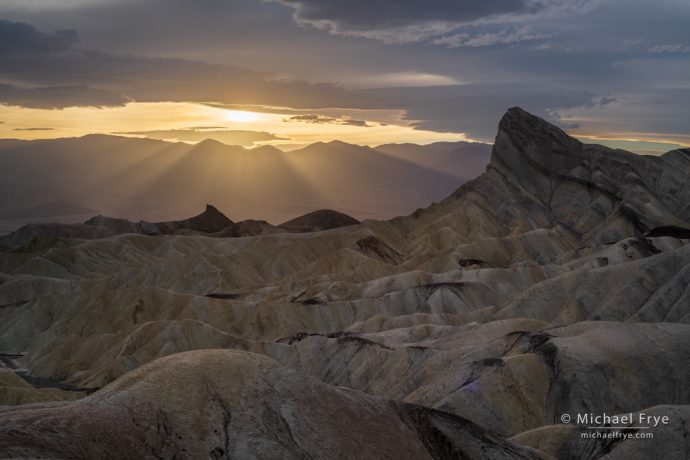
209,221
324,219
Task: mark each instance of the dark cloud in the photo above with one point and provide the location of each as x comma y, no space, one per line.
34,129
244,138
381,14
675,48
529,53
58,97
471,109
413,20
503,37
661,114
17,37
606,100
321,119
475,109
69,76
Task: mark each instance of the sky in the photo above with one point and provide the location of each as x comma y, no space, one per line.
291,72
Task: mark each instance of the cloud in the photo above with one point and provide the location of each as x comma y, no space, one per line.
69,77
503,37
321,119
34,129
563,120
655,117
244,138
414,20
44,5
18,37
605,100
630,43
475,109
58,97
587,56
74,77
670,49
406,79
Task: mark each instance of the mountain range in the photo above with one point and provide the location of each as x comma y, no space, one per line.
555,283
71,180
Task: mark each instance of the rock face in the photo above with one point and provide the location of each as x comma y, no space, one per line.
601,195
556,282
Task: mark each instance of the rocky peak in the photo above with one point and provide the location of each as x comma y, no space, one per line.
212,211
526,142
603,187
209,221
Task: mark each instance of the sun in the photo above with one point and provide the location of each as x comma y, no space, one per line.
240,116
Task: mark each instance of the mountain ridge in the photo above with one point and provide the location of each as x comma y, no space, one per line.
211,222
142,179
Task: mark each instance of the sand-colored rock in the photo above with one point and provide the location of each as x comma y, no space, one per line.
227,404
15,391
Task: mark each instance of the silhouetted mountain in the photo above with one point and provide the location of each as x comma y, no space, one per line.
211,222
247,228
324,219
461,159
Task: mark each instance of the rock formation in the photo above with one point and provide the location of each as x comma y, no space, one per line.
556,282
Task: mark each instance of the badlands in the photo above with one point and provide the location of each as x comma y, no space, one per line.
557,282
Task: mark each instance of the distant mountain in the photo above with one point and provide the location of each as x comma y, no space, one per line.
211,223
324,219
56,180
454,158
